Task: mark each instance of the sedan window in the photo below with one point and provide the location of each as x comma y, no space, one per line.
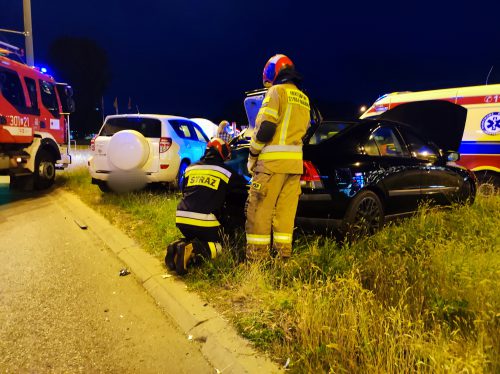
419,148
386,142
328,130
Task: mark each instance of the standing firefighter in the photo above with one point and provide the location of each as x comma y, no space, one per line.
204,192
276,162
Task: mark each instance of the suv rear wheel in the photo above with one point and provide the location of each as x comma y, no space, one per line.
179,180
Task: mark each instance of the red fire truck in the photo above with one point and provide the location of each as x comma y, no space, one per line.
34,122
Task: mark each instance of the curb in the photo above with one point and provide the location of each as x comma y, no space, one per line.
219,342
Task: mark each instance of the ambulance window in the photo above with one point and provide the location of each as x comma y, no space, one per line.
11,88
49,98
31,86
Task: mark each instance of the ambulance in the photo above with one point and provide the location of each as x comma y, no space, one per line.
34,122
478,140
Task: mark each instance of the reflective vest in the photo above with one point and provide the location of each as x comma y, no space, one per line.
287,107
204,192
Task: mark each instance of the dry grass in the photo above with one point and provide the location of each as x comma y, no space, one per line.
420,296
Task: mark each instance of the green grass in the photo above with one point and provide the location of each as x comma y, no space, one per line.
422,295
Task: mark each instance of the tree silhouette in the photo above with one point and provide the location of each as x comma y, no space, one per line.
83,64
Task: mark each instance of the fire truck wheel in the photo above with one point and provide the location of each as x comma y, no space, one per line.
128,150
45,170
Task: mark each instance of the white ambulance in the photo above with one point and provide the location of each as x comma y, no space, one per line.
479,147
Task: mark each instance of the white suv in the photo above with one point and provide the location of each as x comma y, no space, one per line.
159,146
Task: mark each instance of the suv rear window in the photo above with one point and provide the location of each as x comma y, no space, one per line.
148,127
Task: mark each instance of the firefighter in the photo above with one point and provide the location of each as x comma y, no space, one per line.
204,192
275,162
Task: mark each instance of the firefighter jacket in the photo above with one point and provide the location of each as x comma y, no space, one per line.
288,108
205,185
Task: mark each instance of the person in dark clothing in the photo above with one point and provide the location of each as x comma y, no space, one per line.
197,217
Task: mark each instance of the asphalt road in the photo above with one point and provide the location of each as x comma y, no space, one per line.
64,307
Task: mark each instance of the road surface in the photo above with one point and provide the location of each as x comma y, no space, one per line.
64,307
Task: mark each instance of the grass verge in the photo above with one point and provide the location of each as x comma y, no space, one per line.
420,296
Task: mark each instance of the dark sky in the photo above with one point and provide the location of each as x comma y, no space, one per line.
197,58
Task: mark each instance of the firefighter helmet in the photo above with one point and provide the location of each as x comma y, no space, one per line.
273,66
219,147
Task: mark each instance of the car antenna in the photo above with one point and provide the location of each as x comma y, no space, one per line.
488,77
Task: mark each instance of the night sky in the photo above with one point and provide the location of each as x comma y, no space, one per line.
197,58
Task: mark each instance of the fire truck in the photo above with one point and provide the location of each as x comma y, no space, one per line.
478,138
34,122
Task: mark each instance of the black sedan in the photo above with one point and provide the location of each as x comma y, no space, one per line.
358,175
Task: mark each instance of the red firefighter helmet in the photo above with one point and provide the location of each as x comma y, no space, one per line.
220,146
273,66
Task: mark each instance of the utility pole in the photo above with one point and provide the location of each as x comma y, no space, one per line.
28,33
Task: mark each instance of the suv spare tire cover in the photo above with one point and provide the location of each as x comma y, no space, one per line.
128,150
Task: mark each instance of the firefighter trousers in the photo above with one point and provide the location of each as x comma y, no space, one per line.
270,212
207,240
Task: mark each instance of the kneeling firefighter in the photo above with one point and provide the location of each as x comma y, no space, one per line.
204,192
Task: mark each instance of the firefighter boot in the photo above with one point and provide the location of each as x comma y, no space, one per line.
183,255
171,252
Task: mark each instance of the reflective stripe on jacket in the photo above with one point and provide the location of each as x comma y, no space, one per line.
287,107
196,219
204,192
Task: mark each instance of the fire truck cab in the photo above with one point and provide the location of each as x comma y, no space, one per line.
480,145
34,131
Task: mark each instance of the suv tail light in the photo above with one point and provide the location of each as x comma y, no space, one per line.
310,178
165,144
92,144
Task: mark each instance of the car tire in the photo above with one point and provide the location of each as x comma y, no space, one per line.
467,193
45,170
128,150
179,180
364,216
488,177
103,186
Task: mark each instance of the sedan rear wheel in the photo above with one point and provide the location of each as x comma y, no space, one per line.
365,215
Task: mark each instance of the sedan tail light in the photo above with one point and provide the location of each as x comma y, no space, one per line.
165,144
310,178
92,144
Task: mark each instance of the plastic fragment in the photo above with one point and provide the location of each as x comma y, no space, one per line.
81,224
124,272
287,363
